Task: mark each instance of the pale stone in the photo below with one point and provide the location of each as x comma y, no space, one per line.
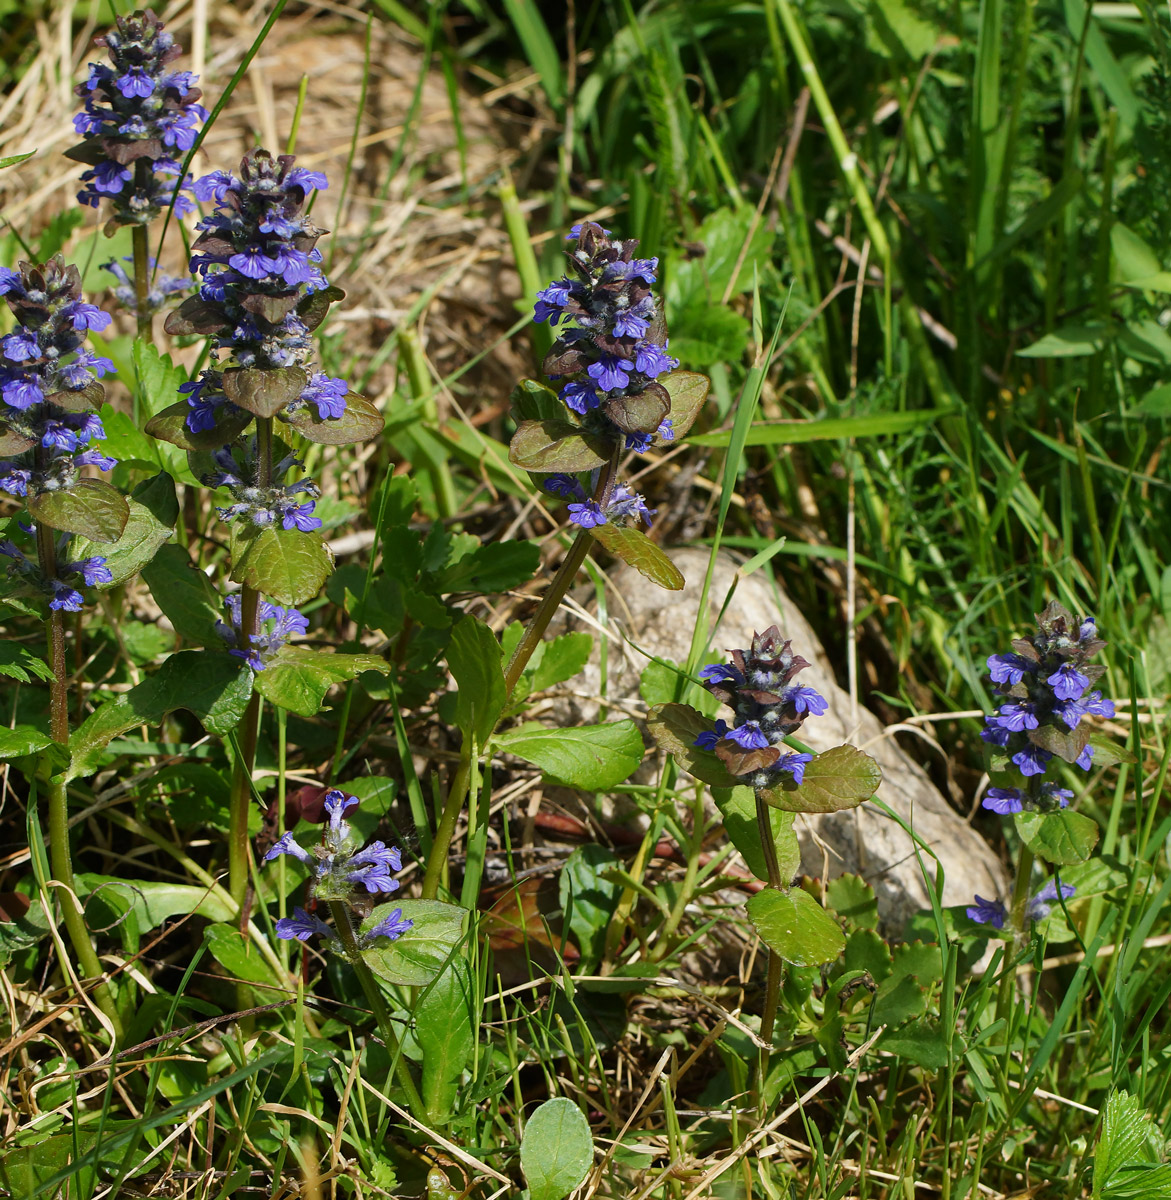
863,841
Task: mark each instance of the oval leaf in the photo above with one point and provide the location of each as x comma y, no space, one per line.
840,778
556,1149
298,678
360,421
286,565
688,391
591,757
1062,838
12,442
675,728
91,507
140,541
170,425
556,446
264,392
638,551
795,927
423,951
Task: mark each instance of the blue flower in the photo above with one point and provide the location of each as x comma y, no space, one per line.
1032,760
610,372
1085,760
749,736
373,866
300,516
552,300
994,733
160,286
722,673
1095,706
1016,717
1068,682
1004,801
805,700
1041,902
287,844
987,912
709,737
64,598
264,645
302,926
1009,668
560,484
587,514
575,231
392,926
1070,712
795,764
626,503
650,359
1055,795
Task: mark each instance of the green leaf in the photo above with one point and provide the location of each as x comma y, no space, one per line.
24,739
796,927
1071,341
234,952
186,596
1133,258
91,507
556,1149
298,678
422,952
559,660
556,445
152,902
535,401
22,930
688,391
588,898
1108,752
738,808
214,686
1127,1160
360,422
158,378
264,391
22,665
492,568
1156,402
444,1022
792,433
11,160
140,541
1062,838
675,728
286,565
591,757
853,899
840,778
923,1042
474,658
637,550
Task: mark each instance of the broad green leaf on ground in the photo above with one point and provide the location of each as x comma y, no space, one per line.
235,952
298,678
738,808
152,902
637,550
444,1029
494,567
475,660
559,659
675,728
421,953
796,927
185,594
588,898
213,685
158,378
590,757
286,565
556,1149
922,1042
92,508
1062,838
556,445
840,778
19,663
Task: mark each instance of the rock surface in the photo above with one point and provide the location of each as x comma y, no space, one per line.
863,841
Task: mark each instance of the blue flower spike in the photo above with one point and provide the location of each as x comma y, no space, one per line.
1044,687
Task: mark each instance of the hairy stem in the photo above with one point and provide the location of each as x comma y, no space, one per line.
139,240
60,855
344,924
249,729
1006,993
772,991
531,639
